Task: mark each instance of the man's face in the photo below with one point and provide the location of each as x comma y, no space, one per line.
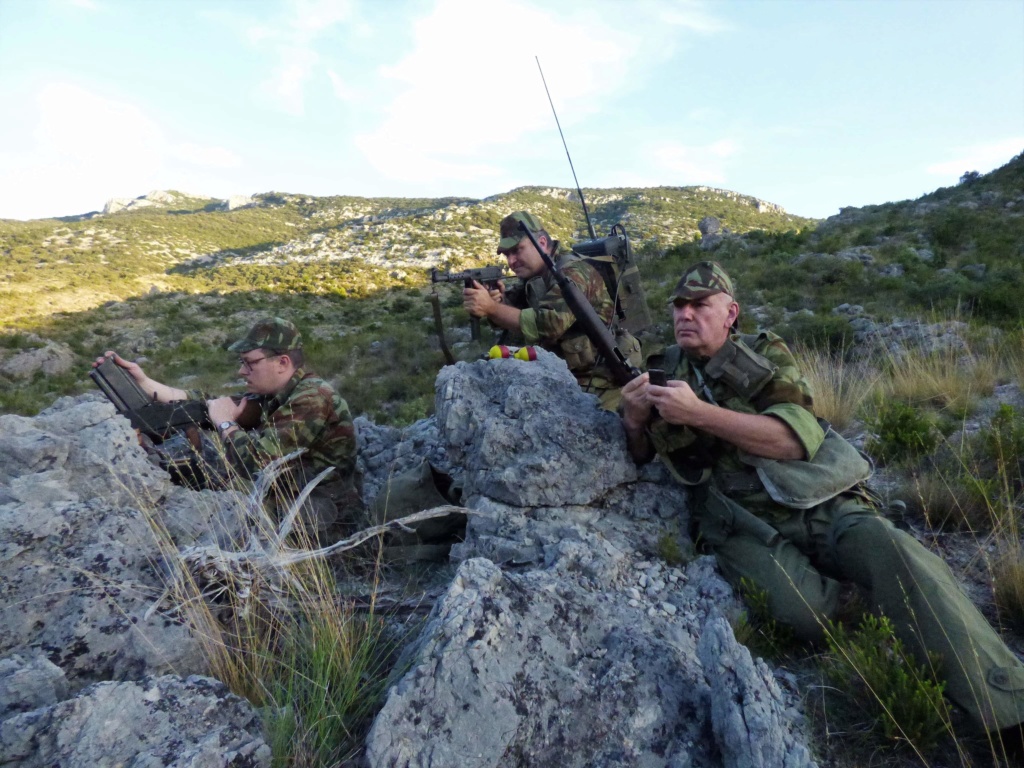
702,325
524,260
264,372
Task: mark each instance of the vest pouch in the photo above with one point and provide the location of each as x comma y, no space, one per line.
741,368
578,352
629,346
836,467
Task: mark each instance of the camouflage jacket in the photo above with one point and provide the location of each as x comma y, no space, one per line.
695,457
546,319
307,413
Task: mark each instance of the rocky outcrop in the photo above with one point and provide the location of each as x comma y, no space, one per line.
234,202
563,640
165,721
52,359
80,571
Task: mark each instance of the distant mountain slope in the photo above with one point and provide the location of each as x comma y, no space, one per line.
180,242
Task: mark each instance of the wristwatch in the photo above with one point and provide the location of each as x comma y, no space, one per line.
224,426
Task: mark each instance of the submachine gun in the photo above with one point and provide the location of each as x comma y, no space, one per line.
486,276
159,421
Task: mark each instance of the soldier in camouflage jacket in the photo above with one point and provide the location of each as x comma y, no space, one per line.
780,499
285,408
534,311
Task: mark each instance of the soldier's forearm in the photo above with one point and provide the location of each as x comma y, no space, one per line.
638,443
504,316
754,433
162,392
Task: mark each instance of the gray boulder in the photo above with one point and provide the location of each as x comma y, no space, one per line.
150,722
29,682
497,420
80,508
709,225
52,359
563,640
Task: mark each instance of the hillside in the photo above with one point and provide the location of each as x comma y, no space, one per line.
174,280
343,245
941,408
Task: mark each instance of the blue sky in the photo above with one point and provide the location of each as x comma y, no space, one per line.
812,105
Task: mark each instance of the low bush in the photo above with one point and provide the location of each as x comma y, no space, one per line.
901,432
757,629
899,695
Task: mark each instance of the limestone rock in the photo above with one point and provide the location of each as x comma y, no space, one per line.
709,225
747,708
518,458
561,640
78,553
164,721
29,682
234,202
52,359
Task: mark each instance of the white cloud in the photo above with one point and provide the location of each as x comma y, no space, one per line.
88,5
694,164
469,91
206,156
979,157
292,41
86,148
342,90
286,86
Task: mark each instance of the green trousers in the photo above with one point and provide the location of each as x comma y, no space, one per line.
799,562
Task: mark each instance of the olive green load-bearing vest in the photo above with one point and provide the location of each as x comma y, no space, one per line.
836,467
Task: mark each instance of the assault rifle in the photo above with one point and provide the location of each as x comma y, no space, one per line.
590,322
486,276
156,420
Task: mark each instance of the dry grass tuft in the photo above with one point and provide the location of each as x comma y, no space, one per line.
840,388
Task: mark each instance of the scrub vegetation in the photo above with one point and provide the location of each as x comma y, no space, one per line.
173,284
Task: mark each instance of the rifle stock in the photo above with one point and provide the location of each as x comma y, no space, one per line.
591,324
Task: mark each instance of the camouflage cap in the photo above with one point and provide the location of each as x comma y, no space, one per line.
271,333
704,278
510,232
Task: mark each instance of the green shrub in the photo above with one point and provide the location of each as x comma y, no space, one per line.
672,552
826,333
901,698
901,432
757,629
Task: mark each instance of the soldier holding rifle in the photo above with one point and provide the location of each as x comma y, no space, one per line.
285,408
535,311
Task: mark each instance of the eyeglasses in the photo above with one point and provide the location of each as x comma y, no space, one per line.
248,365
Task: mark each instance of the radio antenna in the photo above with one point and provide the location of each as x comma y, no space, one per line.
593,235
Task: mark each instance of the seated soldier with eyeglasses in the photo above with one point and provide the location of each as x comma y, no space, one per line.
288,407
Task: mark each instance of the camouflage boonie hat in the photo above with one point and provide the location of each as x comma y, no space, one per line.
704,278
272,333
510,232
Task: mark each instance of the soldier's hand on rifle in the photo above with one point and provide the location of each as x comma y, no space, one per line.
480,301
224,409
676,402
